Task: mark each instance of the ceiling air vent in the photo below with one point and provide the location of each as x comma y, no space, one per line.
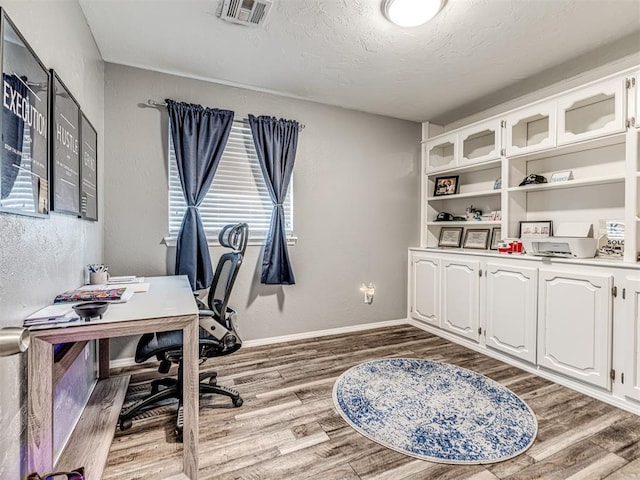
244,12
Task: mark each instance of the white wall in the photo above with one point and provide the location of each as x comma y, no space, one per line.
42,257
356,182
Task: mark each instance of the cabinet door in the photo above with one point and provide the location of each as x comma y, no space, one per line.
628,319
592,111
512,296
531,129
479,143
574,325
425,289
440,153
461,297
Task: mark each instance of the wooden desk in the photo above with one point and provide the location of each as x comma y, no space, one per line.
168,305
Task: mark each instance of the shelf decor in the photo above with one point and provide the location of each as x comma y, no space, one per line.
24,157
450,237
476,238
536,229
88,170
496,236
65,149
446,186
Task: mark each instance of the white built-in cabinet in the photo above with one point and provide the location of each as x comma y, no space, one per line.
575,321
511,309
592,111
424,303
461,297
628,340
574,325
584,130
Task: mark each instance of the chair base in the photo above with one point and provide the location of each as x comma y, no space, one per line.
173,389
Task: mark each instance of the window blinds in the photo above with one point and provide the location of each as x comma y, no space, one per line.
238,192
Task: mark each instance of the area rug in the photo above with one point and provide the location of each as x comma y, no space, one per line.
435,411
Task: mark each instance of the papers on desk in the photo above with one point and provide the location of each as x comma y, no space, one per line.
125,279
131,287
52,315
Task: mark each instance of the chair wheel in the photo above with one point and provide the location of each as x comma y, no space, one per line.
125,424
237,402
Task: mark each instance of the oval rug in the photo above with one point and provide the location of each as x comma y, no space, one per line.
435,411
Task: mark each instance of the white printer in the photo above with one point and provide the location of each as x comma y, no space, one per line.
571,240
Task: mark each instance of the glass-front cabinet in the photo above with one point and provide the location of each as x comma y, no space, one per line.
440,153
592,111
479,143
531,129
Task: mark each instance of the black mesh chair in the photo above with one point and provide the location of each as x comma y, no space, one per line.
218,336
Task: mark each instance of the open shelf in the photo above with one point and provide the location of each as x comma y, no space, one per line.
582,182
468,169
481,193
466,223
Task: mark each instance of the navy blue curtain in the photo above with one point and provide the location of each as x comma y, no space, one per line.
276,142
199,136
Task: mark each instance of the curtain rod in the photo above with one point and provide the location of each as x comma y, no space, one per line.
154,103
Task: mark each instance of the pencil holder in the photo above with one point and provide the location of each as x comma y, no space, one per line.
98,278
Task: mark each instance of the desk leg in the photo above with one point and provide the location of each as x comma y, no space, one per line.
190,399
40,407
103,358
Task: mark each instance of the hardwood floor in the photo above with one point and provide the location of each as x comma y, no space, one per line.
288,428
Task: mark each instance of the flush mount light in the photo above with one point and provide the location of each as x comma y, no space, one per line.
411,13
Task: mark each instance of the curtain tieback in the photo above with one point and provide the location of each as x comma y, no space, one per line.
278,204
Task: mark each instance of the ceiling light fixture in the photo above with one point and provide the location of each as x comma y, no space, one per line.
411,13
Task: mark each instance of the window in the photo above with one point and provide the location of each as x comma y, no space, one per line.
238,192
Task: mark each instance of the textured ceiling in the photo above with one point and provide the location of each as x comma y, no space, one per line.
474,54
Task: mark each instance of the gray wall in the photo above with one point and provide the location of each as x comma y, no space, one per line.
356,208
42,257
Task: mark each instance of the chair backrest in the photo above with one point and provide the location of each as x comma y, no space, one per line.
234,237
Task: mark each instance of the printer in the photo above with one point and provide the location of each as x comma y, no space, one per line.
571,240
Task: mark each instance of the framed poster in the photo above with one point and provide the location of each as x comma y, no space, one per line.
88,170
65,149
496,237
24,154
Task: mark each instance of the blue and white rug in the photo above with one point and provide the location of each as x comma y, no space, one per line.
435,411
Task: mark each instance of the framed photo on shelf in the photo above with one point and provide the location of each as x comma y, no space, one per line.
65,149
24,157
446,186
536,229
496,236
476,238
450,237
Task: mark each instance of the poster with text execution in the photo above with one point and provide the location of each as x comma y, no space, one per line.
24,159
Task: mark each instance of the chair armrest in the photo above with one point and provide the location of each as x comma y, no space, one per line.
206,313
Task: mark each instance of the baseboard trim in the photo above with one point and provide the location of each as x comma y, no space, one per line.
130,361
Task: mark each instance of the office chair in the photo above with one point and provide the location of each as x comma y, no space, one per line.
218,336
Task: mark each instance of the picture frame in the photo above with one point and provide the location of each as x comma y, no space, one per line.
450,237
543,228
477,238
88,170
24,156
65,149
446,185
496,236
